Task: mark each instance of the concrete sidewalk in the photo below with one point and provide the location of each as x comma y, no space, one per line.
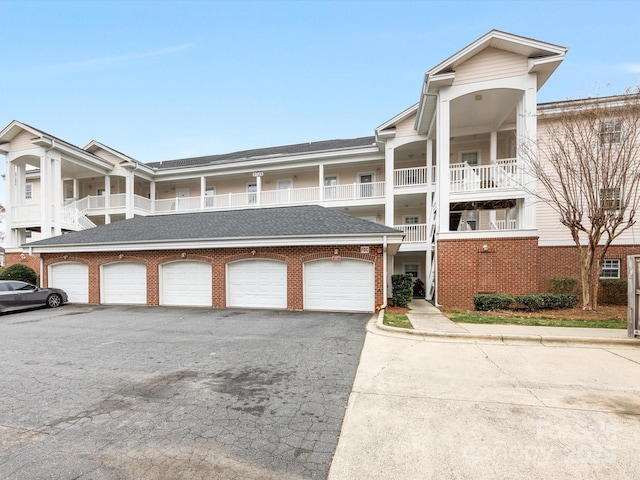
455,401
428,321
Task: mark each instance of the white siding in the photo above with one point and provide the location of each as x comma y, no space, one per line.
22,141
406,127
490,64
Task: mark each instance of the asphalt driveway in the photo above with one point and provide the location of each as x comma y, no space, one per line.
154,392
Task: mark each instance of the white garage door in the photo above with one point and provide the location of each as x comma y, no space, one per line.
346,285
73,278
124,283
186,283
257,284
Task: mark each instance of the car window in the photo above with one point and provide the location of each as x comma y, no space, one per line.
21,286
4,287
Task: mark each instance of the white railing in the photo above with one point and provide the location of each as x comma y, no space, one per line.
142,203
407,177
414,233
25,213
503,224
504,173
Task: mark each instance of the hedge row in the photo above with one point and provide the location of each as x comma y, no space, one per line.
532,302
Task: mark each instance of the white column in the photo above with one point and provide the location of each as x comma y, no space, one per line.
46,196
57,192
107,192
152,195
493,147
442,160
389,203
203,188
128,189
429,200
10,176
526,133
321,181
258,189
75,189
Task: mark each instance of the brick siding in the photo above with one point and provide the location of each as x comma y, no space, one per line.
294,257
512,265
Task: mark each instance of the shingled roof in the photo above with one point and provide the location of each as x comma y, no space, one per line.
298,221
310,147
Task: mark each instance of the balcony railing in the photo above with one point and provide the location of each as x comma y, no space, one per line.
414,233
503,174
411,177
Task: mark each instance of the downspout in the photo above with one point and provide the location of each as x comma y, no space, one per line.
384,272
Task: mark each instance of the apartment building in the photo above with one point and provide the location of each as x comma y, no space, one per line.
438,191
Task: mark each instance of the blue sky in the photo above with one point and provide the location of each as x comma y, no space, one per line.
159,80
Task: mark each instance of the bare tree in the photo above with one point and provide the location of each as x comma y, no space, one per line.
587,163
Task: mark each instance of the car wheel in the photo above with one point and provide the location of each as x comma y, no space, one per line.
54,300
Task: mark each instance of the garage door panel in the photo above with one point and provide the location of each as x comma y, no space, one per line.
345,285
186,283
73,278
257,284
124,283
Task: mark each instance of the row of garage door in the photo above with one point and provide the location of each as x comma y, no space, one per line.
346,285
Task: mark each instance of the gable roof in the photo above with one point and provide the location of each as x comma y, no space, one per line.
543,59
310,147
299,225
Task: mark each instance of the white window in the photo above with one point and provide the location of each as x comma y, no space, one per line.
411,219
411,269
100,192
471,158
27,234
611,131
610,268
28,191
610,198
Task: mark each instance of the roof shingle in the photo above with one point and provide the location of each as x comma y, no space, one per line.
307,220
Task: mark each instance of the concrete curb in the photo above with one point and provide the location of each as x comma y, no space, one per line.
507,339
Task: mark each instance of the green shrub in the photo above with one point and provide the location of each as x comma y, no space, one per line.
19,271
531,302
562,285
568,300
613,291
492,301
402,289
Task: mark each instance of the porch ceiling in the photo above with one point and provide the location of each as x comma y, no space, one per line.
483,111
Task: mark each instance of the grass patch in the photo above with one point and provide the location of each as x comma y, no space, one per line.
398,320
537,321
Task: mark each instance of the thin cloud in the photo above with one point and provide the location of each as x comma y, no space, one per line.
632,67
106,61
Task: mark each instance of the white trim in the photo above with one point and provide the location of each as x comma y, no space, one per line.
312,240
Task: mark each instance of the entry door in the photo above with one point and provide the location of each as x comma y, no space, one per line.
284,190
252,192
182,199
366,184
330,187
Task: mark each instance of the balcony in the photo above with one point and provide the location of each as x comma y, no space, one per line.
505,174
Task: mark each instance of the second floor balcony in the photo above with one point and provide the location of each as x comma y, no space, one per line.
464,179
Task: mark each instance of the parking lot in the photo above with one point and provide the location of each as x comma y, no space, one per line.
153,392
